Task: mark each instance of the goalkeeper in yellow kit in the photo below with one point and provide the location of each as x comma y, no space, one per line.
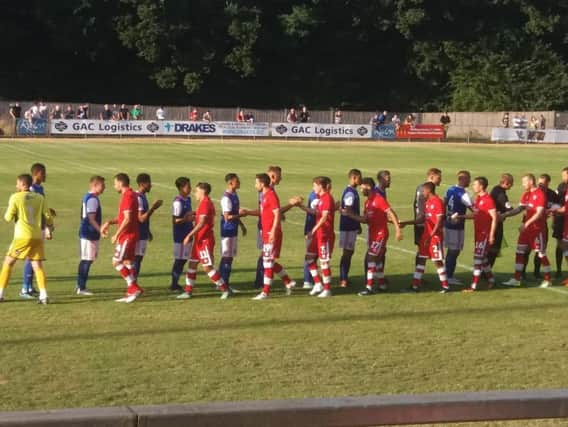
31,214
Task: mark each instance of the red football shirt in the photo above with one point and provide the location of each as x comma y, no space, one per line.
481,218
376,208
433,208
129,202
207,210
325,203
532,200
268,205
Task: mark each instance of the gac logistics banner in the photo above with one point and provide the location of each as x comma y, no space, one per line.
420,132
315,130
105,127
216,128
385,132
554,136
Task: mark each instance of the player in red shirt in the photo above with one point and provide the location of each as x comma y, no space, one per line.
203,240
430,244
126,236
531,232
321,238
377,214
271,232
485,223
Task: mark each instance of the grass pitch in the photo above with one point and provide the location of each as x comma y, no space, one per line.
81,352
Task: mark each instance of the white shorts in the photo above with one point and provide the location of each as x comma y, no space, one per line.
259,243
141,247
89,249
347,239
229,247
453,239
182,251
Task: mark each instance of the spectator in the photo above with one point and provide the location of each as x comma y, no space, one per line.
395,120
193,115
517,123
42,110
375,120
56,113
160,113
505,120
106,114
240,115
81,113
291,117
15,111
304,115
382,118
249,117
123,113
85,111
542,122
409,121
533,124
28,115
115,114
136,112
207,116
338,117
445,121
34,112
69,113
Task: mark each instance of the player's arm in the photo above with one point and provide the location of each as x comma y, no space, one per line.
539,213
307,209
92,216
347,212
243,228
12,211
466,200
275,224
437,226
420,204
393,218
143,217
319,224
465,216
248,212
418,220
494,221
513,212
287,207
195,229
122,226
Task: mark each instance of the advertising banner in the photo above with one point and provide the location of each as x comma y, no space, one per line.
26,128
420,132
555,136
105,127
385,132
315,130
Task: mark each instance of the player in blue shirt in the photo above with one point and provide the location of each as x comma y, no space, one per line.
348,227
457,202
39,176
230,223
182,221
144,213
89,232
308,226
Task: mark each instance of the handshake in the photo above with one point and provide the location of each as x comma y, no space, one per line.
296,200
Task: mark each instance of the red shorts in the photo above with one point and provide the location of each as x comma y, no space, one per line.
481,247
378,244
271,250
202,251
322,247
433,250
125,249
534,240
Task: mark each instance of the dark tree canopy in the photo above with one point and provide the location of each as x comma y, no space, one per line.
396,54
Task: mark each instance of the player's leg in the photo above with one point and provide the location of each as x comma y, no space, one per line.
141,246
228,253
325,248
258,282
206,259
419,268
522,251
495,248
559,255
41,281
122,262
454,244
437,256
477,269
88,251
190,276
372,260
347,243
181,255
539,246
268,272
5,274
28,280
308,279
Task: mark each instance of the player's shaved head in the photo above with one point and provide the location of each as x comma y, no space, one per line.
507,178
96,178
429,186
482,181
123,179
263,178
545,177
463,173
231,176
25,179
368,182
182,181
353,172
205,187
382,174
143,178
274,169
